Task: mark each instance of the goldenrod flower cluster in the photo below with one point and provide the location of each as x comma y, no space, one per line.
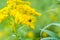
21,11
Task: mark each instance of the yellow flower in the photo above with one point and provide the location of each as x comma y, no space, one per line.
18,18
4,10
54,18
13,12
1,34
2,17
27,10
30,34
22,12
44,34
29,20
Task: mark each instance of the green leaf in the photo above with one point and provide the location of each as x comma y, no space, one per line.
50,38
50,33
56,24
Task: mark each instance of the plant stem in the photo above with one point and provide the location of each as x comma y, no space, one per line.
15,31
